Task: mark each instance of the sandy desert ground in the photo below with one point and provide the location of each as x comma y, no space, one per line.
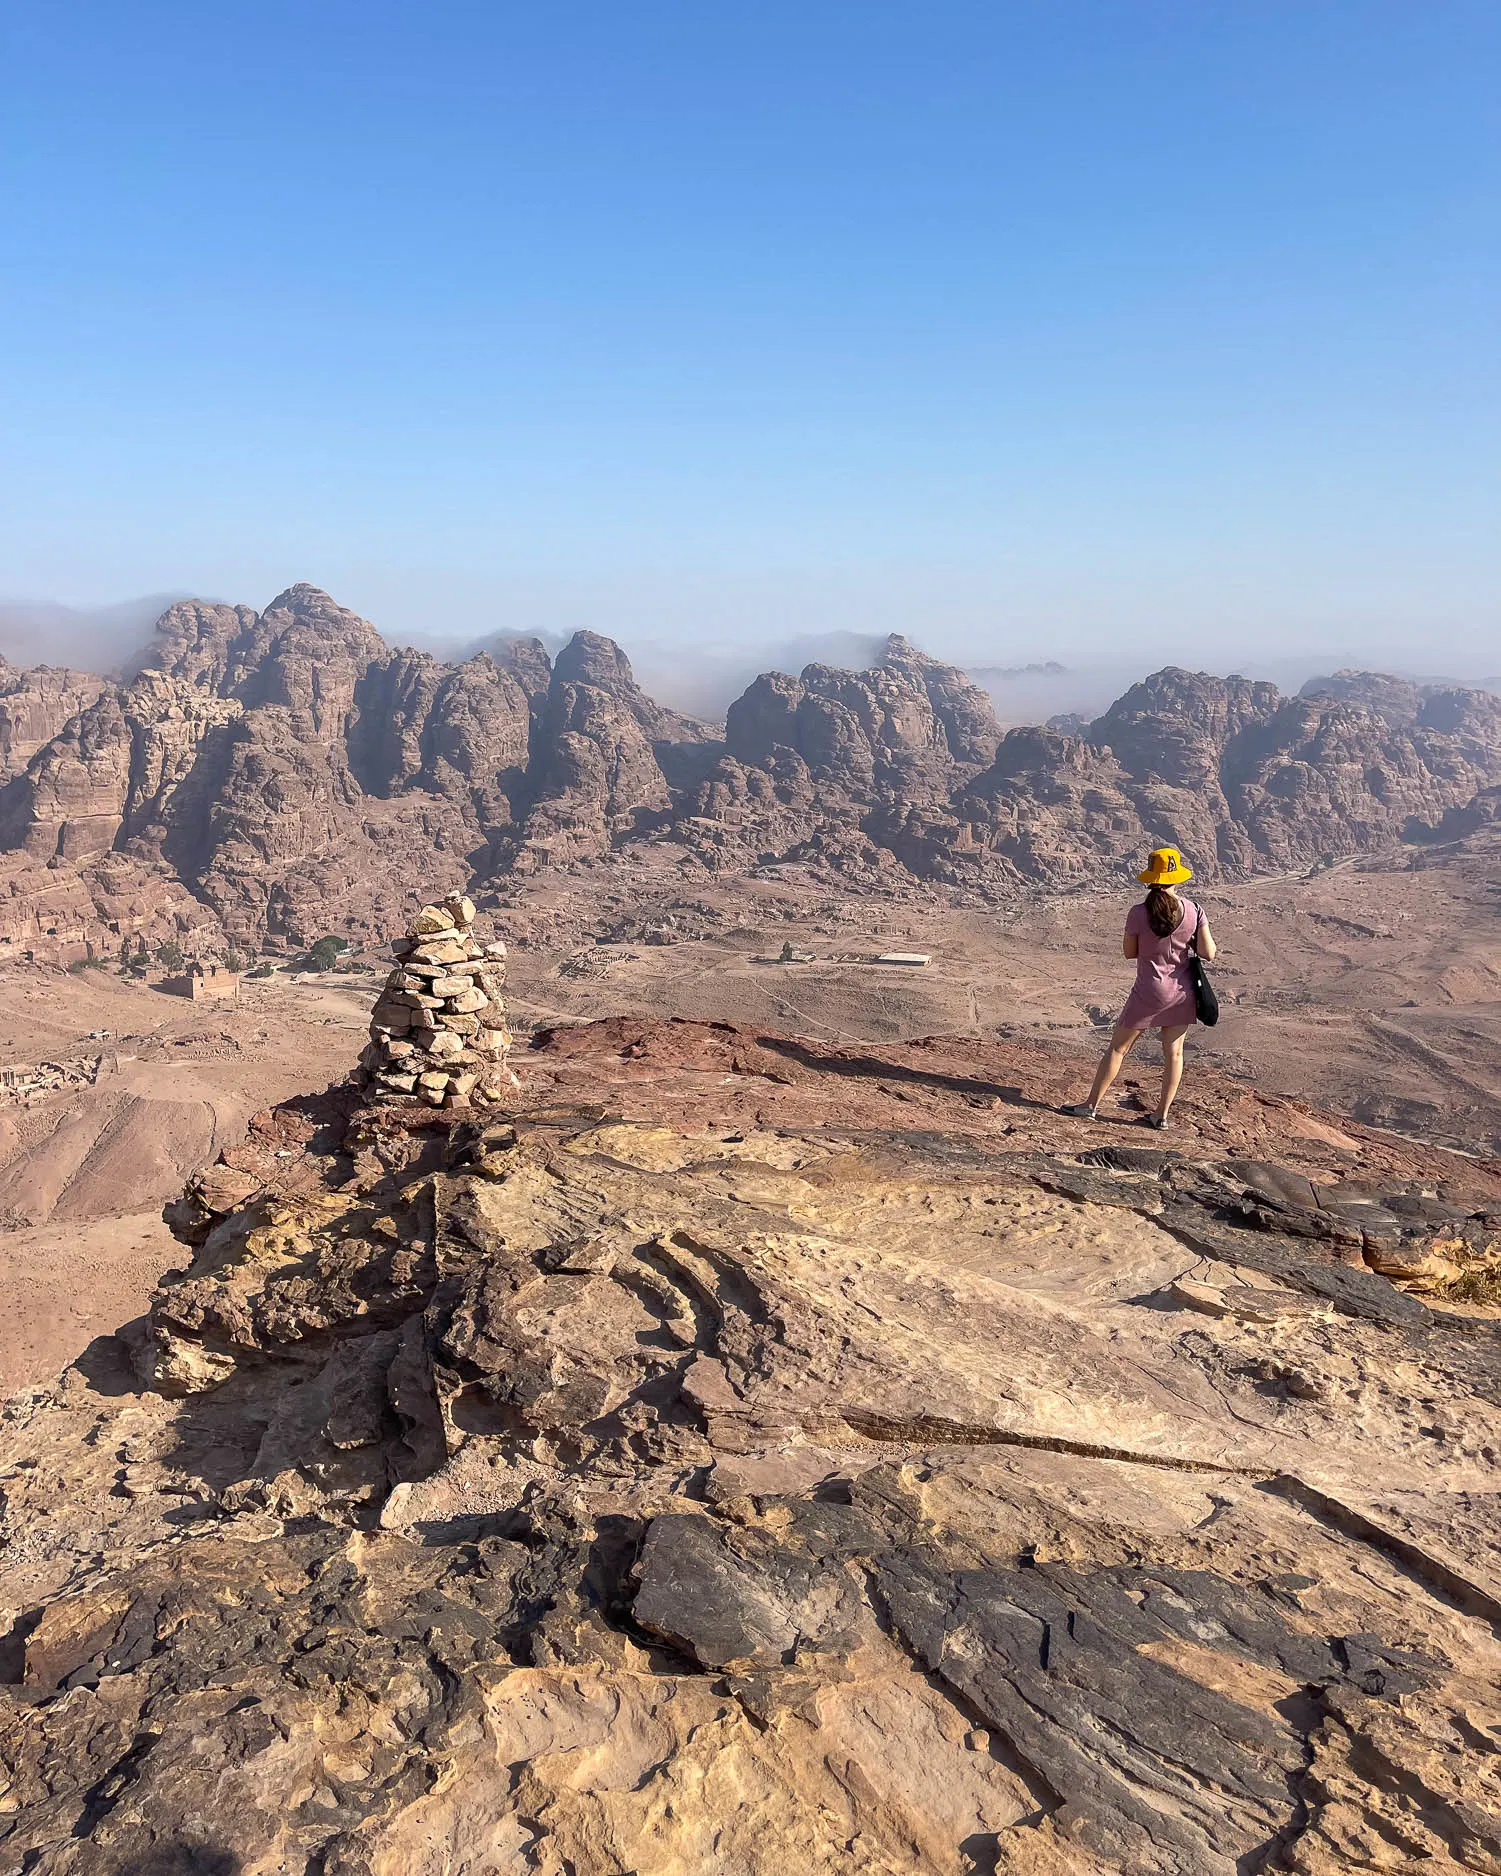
84,1173
1374,991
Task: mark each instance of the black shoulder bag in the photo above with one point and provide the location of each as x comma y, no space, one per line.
1206,1003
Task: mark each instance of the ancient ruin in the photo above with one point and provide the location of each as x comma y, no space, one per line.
23,1082
438,1032
204,983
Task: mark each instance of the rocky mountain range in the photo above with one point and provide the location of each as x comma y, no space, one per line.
266,777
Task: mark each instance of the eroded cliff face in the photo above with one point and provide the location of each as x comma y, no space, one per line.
754,1456
37,705
286,769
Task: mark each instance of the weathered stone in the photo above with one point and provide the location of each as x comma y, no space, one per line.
431,920
413,1000
438,951
793,1477
435,1008
422,973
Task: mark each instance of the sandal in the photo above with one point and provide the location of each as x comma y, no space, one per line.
1157,1121
1081,1110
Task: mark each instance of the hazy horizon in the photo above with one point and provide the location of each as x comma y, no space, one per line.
704,676
1113,333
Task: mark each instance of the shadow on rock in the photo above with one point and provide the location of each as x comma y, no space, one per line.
184,1859
876,1068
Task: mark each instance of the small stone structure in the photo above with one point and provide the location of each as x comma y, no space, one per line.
22,1082
438,1032
204,983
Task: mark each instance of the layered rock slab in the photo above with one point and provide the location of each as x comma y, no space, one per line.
744,1455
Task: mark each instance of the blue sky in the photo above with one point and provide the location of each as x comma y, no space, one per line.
1114,329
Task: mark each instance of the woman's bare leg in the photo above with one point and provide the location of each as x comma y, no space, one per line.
1111,1063
1172,1066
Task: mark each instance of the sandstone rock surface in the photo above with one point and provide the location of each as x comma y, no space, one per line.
37,705
754,1456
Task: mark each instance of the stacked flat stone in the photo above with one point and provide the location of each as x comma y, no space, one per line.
438,1033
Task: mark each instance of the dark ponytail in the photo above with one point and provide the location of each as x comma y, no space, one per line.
1164,912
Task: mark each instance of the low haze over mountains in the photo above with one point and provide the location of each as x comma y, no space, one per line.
269,776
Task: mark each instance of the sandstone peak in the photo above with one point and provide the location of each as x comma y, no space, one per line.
302,593
283,768
1397,699
900,654
527,661
591,658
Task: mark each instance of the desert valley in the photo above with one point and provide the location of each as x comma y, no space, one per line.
270,780
750,939
746,1426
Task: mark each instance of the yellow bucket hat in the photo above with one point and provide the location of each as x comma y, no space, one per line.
1165,868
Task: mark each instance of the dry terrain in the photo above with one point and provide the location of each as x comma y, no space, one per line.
1371,988
746,1454
84,1171
1368,987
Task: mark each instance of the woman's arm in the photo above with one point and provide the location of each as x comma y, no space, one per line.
1204,941
1130,945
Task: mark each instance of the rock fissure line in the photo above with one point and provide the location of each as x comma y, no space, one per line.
1040,1788
951,1433
1434,1574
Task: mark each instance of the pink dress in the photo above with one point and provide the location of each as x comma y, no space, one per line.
1163,995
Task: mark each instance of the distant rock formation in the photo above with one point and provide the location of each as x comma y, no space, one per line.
287,773
1398,699
37,705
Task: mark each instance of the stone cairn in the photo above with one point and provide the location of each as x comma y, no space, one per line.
438,1033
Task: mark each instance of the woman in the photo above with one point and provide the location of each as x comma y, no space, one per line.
1160,933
